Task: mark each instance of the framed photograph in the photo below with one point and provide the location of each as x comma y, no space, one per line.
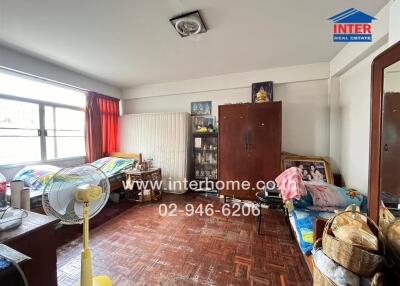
315,169
203,123
200,108
262,92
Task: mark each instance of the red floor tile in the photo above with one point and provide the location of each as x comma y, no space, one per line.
139,247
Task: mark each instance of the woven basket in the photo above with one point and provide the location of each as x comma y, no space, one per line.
319,279
352,257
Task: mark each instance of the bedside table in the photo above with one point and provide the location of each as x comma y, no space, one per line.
145,180
272,200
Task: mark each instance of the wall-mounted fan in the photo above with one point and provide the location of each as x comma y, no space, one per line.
74,195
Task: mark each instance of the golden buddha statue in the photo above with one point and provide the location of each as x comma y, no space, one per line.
261,96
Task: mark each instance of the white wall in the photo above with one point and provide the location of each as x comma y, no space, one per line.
394,23
349,101
353,111
21,62
305,111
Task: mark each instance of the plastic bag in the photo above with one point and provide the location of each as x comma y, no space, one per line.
352,228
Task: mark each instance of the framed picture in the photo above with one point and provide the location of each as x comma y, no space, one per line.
262,92
203,123
315,169
200,108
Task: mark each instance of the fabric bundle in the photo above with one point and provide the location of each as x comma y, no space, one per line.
290,183
338,274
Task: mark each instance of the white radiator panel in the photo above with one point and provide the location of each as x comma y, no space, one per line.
163,137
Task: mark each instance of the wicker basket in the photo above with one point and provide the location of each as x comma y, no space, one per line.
319,279
352,257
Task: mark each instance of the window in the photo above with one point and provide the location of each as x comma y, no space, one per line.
64,132
37,128
19,125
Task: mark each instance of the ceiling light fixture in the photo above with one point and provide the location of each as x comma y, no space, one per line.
189,24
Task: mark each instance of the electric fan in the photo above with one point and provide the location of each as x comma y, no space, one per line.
74,195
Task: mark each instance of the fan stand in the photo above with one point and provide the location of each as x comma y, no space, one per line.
87,278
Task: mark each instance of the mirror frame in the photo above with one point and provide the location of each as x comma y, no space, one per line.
382,61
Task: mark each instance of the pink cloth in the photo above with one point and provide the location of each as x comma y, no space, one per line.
290,183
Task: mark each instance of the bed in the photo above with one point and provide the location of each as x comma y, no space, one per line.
310,213
36,176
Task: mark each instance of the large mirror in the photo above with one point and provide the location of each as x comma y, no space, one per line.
390,141
384,168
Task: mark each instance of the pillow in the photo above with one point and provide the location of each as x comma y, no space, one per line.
327,195
101,162
112,165
36,176
304,202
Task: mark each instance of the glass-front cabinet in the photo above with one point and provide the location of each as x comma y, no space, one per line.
205,157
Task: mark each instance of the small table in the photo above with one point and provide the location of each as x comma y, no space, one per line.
274,201
146,180
36,238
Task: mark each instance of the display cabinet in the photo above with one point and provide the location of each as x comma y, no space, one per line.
205,159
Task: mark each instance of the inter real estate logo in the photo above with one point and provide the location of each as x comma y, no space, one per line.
352,25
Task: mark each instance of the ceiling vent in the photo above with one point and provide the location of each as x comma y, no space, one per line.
189,24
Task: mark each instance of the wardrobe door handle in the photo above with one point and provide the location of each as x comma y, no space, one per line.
386,147
248,140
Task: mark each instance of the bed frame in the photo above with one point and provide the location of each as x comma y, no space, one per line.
116,185
122,155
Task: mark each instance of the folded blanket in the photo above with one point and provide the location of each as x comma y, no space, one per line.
290,183
112,165
327,195
36,176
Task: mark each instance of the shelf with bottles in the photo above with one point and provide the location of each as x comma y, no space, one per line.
202,174
205,156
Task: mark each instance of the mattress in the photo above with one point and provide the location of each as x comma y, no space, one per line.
302,221
35,177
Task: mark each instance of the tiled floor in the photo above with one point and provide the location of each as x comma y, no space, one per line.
139,247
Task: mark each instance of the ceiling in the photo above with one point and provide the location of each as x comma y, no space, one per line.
131,42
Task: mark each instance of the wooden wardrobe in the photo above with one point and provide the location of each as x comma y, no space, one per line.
250,138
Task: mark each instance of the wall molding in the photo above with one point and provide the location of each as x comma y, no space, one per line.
298,73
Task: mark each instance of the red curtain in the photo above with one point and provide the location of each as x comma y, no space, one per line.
101,126
93,132
109,110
